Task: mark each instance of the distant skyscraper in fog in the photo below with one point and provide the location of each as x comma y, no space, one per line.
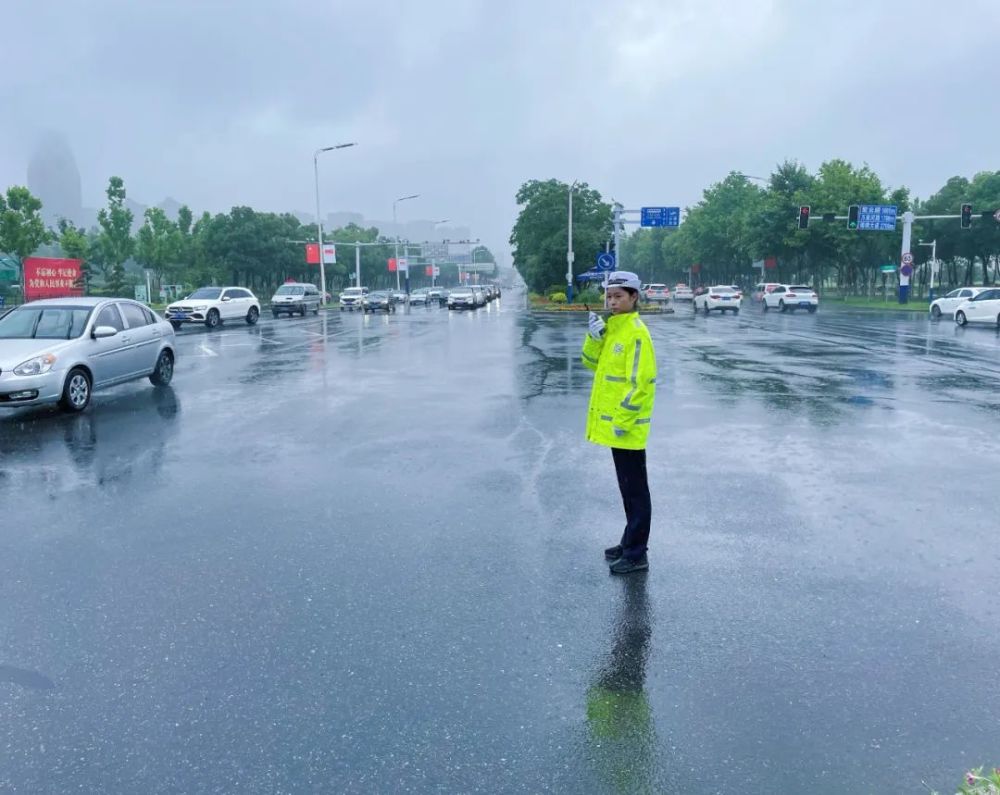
54,178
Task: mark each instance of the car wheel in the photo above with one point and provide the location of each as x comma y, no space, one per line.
341,309
176,325
76,391
212,320
763,306
998,321
316,310
303,310
936,312
706,309
781,305
736,311
253,316
812,310
164,370
960,318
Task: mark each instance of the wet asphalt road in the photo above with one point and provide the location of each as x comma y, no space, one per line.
363,554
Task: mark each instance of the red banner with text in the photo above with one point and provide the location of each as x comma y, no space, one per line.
47,277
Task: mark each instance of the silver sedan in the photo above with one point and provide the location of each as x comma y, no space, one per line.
61,350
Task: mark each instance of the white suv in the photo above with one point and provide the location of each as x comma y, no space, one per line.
214,305
789,297
353,298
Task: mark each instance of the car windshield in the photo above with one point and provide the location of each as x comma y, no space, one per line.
48,323
206,293
352,292
801,289
722,290
657,287
288,289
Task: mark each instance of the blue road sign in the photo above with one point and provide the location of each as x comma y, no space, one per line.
660,216
880,217
606,261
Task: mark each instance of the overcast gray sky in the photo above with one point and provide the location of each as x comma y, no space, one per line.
219,103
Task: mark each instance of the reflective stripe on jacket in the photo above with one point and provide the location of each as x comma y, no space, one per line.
624,366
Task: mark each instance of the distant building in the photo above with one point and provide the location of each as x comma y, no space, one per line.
54,178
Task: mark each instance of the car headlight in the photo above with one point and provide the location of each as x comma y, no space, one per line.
36,366
201,308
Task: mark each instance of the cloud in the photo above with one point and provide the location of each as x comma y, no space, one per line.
222,103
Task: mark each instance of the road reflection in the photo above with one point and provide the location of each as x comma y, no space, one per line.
620,725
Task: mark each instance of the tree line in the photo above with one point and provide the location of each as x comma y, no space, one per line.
259,250
738,223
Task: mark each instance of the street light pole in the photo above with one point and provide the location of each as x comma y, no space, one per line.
933,245
319,221
570,256
395,226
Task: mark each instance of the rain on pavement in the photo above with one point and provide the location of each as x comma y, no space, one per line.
363,554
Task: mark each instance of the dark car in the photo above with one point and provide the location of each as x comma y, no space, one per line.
379,302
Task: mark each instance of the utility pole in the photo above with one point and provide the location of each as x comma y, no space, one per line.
357,263
570,256
934,265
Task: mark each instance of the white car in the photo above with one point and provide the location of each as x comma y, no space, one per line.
947,304
722,299
214,305
657,292
984,308
353,298
683,293
789,297
462,298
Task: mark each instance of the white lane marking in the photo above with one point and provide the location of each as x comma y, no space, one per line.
208,350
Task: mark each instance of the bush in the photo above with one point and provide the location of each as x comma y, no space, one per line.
555,288
590,296
558,298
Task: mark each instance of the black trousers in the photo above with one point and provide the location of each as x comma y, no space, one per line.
630,466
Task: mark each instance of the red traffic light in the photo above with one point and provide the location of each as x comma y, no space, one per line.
804,217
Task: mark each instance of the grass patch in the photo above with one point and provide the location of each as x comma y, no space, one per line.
892,305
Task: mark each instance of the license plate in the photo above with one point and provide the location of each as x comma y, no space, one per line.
803,303
179,316
725,298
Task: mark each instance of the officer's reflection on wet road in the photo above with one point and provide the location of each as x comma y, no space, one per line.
620,721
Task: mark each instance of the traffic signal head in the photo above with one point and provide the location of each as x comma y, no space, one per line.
966,216
804,217
852,217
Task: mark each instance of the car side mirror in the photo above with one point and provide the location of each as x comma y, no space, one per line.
227,298
103,332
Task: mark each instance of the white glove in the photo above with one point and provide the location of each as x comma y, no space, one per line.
596,325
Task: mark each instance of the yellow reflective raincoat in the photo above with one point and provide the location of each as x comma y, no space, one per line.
624,366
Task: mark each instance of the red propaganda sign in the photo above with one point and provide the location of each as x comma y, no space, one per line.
45,277
429,270
312,253
771,263
696,268
392,264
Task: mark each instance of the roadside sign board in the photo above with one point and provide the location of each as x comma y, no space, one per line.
605,261
887,268
878,217
660,216
908,258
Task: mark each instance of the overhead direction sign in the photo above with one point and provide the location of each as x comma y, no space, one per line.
660,216
878,217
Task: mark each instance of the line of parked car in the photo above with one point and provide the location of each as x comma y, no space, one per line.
969,305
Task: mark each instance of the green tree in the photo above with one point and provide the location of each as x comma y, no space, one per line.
539,236
158,244
22,230
116,241
75,244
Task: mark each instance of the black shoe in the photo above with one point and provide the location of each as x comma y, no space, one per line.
629,565
613,553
